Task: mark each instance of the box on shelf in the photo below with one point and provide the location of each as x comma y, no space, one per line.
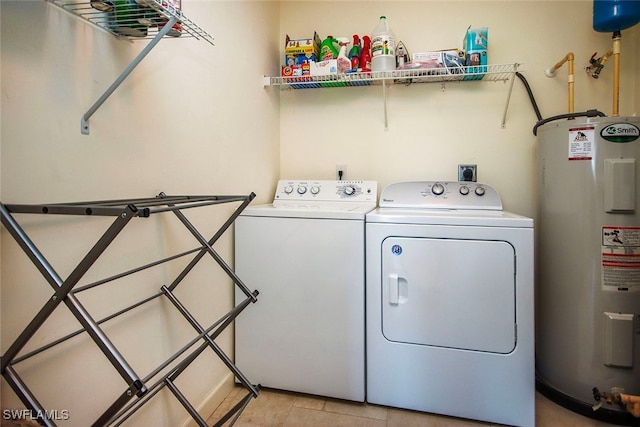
301,51
296,70
476,45
324,68
447,57
448,61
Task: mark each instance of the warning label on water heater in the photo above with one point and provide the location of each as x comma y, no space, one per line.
581,143
621,258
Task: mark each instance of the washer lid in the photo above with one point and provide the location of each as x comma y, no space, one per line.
458,217
441,195
316,210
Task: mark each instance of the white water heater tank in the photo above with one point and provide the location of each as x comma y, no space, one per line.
588,258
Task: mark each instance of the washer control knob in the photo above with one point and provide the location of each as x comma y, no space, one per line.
288,189
315,189
464,190
302,189
480,191
349,190
437,189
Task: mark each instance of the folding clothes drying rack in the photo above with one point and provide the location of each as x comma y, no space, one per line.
124,211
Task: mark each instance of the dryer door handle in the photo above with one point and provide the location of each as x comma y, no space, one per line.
398,288
394,289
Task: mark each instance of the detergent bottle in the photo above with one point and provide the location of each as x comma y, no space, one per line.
383,47
365,54
344,63
354,53
328,49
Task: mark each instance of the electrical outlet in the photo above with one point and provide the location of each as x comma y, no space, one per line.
341,172
468,173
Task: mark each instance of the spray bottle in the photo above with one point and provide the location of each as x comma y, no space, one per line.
328,49
344,63
354,53
365,55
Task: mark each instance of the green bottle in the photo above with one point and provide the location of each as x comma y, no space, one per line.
328,49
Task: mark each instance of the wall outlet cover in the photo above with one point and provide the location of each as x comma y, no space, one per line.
468,173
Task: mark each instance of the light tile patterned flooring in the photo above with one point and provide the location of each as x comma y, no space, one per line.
278,408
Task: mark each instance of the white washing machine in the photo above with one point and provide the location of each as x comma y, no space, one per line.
304,253
450,303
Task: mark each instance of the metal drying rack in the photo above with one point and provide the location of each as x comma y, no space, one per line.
123,211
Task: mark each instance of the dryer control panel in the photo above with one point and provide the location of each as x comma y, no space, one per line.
441,195
327,191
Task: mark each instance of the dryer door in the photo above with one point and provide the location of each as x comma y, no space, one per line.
449,293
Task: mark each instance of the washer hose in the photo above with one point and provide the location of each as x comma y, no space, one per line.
530,93
588,113
541,121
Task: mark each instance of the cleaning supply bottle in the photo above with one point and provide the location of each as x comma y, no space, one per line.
383,54
328,49
344,63
365,54
354,53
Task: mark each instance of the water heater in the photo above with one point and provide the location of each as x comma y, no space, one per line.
588,260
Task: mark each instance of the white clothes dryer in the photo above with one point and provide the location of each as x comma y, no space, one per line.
450,303
304,253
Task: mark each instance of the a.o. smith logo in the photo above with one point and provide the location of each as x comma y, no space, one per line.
620,132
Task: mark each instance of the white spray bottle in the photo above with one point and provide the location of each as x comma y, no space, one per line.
344,63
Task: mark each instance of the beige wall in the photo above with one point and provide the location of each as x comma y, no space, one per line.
194,119
431,130
191,119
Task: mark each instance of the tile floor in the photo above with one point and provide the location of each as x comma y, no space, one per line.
278,408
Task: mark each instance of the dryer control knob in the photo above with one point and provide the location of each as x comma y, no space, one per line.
464,190
480,191
315,189
437,189
288,189
302,189
349,190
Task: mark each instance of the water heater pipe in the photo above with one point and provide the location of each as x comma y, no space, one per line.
616,73
551,72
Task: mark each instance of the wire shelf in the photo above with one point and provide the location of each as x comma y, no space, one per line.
134,20
500,72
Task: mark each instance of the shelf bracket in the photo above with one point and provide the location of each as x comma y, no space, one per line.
84,122
506,106
384,98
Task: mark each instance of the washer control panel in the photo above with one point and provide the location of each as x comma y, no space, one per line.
441,195
327,190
